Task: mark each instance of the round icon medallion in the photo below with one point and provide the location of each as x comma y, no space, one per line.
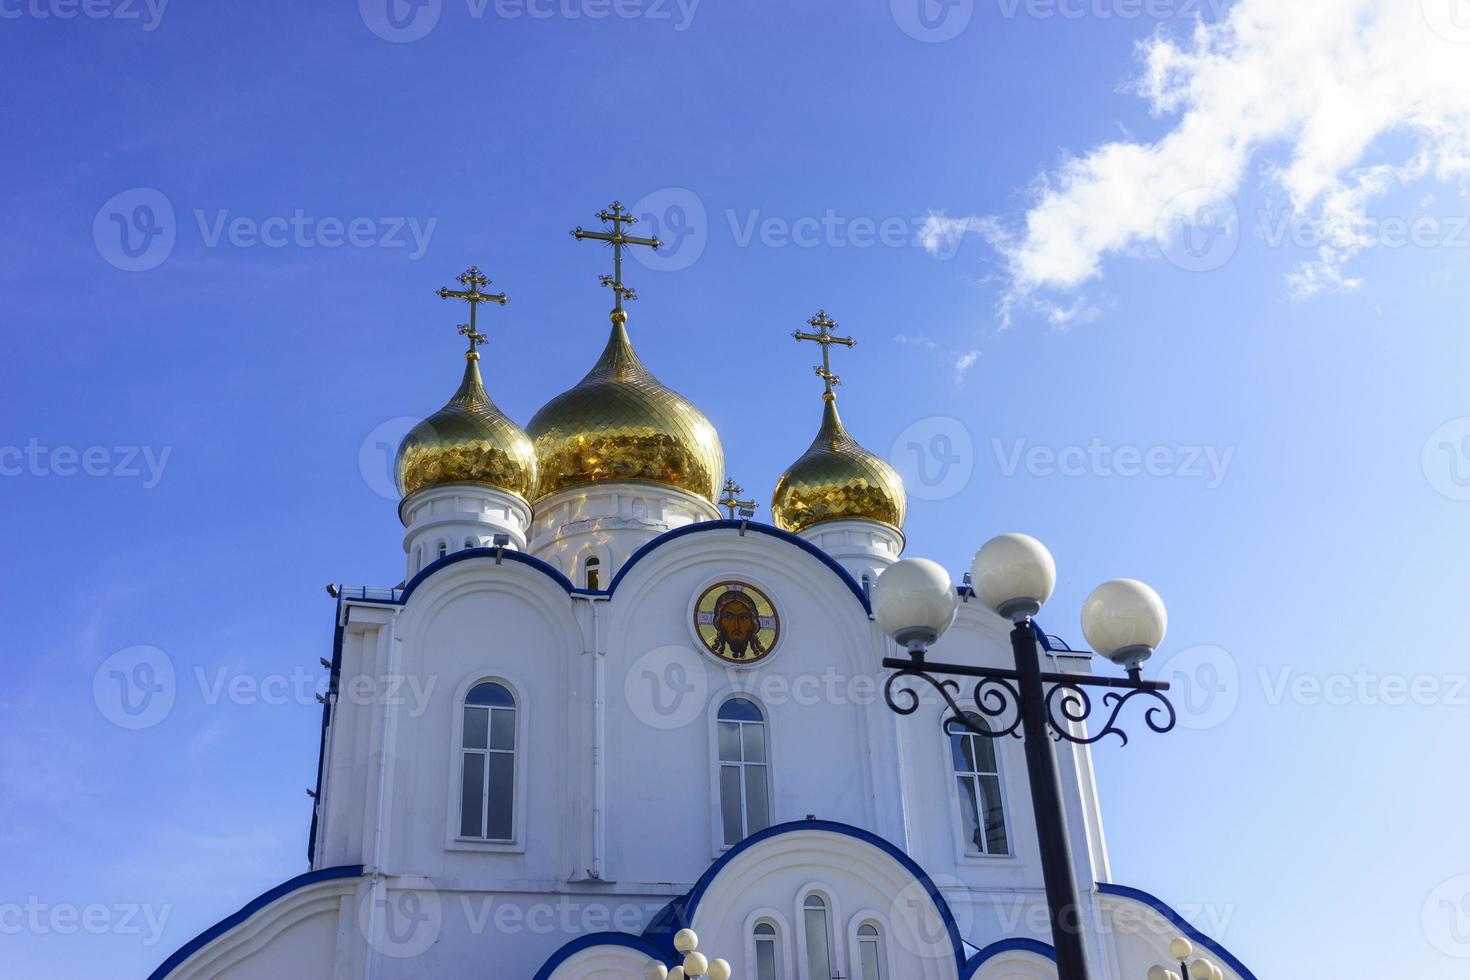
737,623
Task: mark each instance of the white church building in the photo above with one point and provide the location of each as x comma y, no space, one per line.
600,709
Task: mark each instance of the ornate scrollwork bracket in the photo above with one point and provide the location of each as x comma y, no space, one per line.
999,705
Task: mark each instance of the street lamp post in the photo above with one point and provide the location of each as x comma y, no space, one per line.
1014,575
1201,969
694,967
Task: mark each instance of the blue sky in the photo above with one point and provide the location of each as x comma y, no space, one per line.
1056,234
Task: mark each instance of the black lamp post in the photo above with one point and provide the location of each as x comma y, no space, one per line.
1014,575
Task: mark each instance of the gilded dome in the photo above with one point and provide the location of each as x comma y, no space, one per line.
836,478
620,423
469,440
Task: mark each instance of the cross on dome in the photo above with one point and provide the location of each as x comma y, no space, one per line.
616,217
825,325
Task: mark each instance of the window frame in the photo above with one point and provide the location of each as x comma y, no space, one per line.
869,918
966,849
785,946
453,839
836,951
717,823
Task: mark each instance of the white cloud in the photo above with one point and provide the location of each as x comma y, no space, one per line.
963,363
1305,90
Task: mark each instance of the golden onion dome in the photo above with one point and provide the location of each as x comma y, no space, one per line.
619,423
469,440
835,479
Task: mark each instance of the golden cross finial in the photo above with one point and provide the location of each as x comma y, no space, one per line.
731,499
616,217
823,336
472,279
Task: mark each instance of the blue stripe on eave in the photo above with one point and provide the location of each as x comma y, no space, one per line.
1153,902
255,905
637,556
1017,945
595,939
751,527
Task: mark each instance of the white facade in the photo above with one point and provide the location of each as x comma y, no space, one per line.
617,831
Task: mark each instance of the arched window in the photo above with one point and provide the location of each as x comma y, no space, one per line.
470,543
592,569
418,558
767,954
487,785
745,805
982,810
870,952
443,548
818,939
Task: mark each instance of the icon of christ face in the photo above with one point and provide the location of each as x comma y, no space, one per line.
736,623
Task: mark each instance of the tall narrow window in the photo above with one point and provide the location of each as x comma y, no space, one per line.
593,569
870,952
487,786
765,951
443,549
745,806
978,775
818,941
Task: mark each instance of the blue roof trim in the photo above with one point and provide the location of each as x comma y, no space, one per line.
750,527
255,905
973,965
1139,895
321,751
595,939
506,554
680,912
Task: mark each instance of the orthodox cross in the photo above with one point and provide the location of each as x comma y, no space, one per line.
731,499
472,280
823,336
616,217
